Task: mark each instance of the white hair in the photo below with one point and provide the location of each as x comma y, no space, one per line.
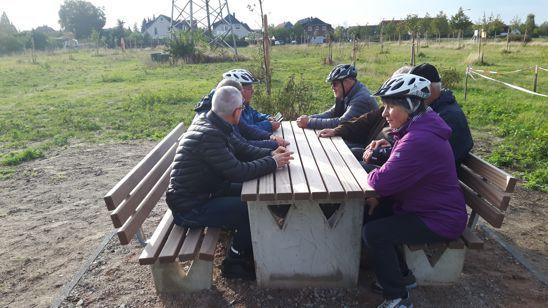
403,70
436,85
226,100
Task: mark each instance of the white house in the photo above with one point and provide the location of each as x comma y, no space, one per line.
159,28
241,29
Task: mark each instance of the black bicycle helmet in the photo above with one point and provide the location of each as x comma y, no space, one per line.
341,72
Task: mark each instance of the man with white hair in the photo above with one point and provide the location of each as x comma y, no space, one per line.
210,165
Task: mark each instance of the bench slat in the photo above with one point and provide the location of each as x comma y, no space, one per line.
330,178
354,165
173,244
471,239
121,190
157,240
207,251
486,190
128,230
501,179
488,212
191,244
127,207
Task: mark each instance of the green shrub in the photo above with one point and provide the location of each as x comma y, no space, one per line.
16,158
450,77
292,100
184,46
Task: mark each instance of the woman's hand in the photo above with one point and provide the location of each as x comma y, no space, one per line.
372,146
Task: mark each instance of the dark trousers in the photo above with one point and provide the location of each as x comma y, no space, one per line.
383,235
225,210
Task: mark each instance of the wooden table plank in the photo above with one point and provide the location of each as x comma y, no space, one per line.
351,186
249,190
266,187
329,176
296,171
357,170
283,182
313,175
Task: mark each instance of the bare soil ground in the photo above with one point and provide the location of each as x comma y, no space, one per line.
52,218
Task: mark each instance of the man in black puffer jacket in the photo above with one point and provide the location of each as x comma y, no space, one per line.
209,167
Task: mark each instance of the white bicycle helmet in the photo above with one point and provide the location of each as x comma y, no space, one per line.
240,75
405,86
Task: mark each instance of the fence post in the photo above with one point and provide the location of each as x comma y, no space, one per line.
536,79
413,54
466,81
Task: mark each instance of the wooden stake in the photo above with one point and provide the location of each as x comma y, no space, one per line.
413,52
466,81
536,79
266,52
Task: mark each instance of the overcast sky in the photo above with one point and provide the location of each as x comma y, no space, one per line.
29,14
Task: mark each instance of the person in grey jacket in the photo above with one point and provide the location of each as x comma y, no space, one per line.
209,166
352,99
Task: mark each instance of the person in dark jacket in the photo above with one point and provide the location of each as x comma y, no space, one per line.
420,196
208,164
441,101
444,103
249,115
251,134
352,99
247,133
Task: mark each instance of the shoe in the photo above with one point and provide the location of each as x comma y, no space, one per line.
237,268
409,279
397,303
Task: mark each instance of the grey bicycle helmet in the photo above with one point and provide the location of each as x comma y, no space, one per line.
341,72
241,75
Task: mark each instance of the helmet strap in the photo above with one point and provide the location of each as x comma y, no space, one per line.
412,107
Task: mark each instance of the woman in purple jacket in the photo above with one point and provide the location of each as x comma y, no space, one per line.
421,201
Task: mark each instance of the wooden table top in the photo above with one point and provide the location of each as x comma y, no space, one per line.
323,168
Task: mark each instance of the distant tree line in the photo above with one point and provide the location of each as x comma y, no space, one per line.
83,21
440,26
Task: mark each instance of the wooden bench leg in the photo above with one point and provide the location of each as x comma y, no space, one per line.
172,277
445,271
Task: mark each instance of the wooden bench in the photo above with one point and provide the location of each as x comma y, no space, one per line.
487,191
130,202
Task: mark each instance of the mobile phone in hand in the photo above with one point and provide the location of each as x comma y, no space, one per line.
278,117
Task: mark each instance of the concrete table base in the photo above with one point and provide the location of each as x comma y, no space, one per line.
308,249
172,277
446,270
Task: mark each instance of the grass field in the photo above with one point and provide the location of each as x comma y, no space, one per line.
124,96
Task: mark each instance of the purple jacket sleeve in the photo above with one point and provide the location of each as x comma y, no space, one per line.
407,165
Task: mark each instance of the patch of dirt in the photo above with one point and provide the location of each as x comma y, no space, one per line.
52,217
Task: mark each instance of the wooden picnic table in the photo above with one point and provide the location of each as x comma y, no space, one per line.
306,218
